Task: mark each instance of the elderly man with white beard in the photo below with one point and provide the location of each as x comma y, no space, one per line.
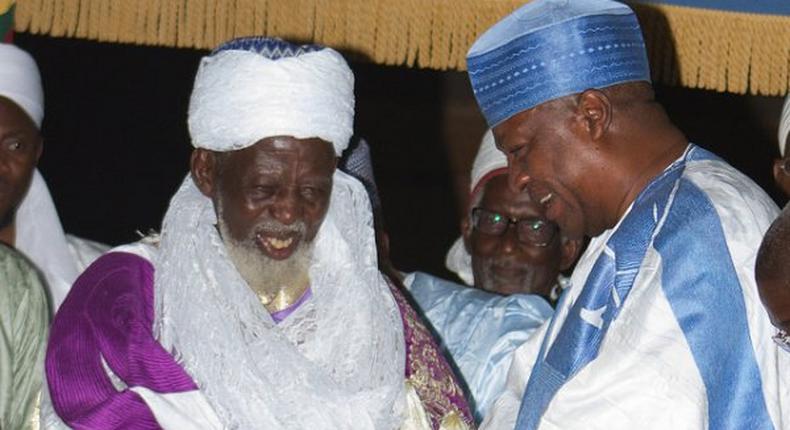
260,305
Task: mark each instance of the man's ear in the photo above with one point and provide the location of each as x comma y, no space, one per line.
203,166
466,232
569,249
595,109
782,174
40,148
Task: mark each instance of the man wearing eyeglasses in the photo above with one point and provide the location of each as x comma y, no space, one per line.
508,246
513,256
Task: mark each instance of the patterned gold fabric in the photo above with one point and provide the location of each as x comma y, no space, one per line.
429,372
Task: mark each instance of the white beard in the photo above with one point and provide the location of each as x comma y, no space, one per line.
263,274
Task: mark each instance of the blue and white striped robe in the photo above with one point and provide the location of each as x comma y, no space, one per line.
662,327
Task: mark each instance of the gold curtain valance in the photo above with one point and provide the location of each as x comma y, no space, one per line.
697,48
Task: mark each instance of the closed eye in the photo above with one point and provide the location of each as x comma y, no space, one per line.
312,193
516,150
263,191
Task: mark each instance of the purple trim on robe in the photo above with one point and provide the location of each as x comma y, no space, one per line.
109,313
283,314
427,368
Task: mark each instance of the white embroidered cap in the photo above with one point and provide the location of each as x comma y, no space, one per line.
252,88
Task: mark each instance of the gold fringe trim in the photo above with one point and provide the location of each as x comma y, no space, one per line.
5,5
697,48
717,50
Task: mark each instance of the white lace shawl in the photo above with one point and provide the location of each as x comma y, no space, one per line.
40,236
337,362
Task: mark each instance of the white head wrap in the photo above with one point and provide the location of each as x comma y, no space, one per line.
245,93
21,82
488,163
784,126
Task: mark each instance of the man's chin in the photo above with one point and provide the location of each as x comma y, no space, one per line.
504,289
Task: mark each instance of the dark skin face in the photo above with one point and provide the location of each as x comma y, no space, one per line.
585,158
281,179
772,270
775,295
505,265
20,149
548,143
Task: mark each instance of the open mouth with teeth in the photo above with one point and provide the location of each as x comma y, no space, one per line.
280,243
277,247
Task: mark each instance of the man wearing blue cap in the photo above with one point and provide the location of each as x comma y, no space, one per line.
662,326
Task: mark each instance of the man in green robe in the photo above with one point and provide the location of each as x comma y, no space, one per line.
24,318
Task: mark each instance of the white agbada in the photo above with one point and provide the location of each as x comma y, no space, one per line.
682,353
336,362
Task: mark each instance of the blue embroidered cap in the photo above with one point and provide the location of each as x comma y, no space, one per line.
272,48
549,49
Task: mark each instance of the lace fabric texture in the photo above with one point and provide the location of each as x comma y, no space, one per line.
337,362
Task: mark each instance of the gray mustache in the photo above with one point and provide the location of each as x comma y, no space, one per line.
272,226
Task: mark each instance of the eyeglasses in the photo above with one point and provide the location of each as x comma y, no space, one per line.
782,338
530,231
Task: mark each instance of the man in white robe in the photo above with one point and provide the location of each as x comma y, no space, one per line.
28,219
260,305
662,326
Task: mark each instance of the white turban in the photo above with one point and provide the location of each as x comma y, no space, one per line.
489,162
21,82
784,126
261,88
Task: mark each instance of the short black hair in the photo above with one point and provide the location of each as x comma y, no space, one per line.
773,258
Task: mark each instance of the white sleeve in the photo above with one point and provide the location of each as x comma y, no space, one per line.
505,410
180,411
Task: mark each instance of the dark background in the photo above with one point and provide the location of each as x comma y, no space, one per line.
117,145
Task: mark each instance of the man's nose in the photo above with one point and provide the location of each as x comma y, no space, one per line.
286,207
508,242
517,177
5,162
